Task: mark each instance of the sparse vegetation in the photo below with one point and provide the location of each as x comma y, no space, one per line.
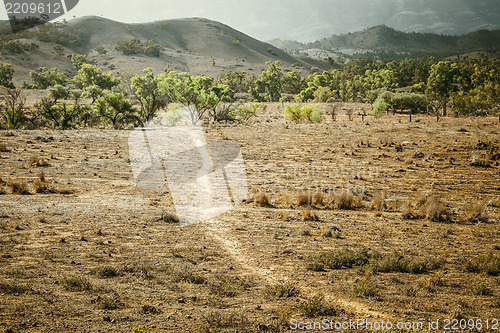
76,283
317,306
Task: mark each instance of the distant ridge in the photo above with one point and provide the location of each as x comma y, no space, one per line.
195,45
387,41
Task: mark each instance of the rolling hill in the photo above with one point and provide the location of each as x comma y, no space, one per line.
196,45
383,41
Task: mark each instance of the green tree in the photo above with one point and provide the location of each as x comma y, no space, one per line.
269,85
59,115
59,50
181,88
44,78
133,46
90,75
148,94
439,84
101,50
6,74
93,91
12,104
78,60
114,107
152,49
58,92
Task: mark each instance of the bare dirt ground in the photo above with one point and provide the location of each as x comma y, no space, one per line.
98,254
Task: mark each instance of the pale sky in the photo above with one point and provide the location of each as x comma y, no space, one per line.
306,20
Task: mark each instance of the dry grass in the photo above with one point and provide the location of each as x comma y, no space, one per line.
262,199
285,199
475,212
4,148
282,290
345,200
427,207
304,198
308,214
318,199
36,162
11,288
76,283
488,263
365,287
378,202
40,186
317,306
19,187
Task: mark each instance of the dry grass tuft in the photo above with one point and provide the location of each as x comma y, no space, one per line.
76,283
19,188
282,290
479,161
262,199
318,199
427,207
345,200
475,212
309,215
317,306
40,186
365,287
378,202
285,199
304,198
36,162
4,148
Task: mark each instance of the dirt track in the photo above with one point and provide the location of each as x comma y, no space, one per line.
213,276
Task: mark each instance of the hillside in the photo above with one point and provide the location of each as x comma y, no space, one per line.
387,42
196,45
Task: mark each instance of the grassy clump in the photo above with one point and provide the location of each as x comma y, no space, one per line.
13,288
184,274
364,287
109,303
316,306
76,283
262,199
345,200
427,207
397,262
343,258
282,290
488,263
19,188
105,272
372,261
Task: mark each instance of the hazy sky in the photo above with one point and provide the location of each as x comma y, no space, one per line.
306,20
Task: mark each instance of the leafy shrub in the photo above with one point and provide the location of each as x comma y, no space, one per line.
306,113
379,107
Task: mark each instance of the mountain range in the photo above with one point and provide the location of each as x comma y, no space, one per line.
202,46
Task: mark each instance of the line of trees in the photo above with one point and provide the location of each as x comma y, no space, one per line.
92,97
